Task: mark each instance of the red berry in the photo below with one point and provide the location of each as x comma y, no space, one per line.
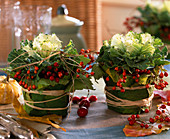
122,90
107,79
157,117
36,68
56,69
148,72
35,71
146,126
82,50
166,74
137,75
15,76
137,116
33,87
160,126
56,64
92,73
20,82
28,77
60,74
32,77
87,75
116,68
28,71
29,88
129,118
52,78
137,70
142,125
168,103
48,73
151,120
83,97
90,66
165,82
77,76
26,86
167,119
19,77
85,55
158,112
49,67
131,122
118,83
161,75
114,88
124,77
147,85
57,80
163,106
78,70
145,70
17,73
85,103
76,99
120,80
134,77
92,98
161,119
124,81
146,110
87,51
124,73
81,63
82,112
137,80
87,68
23,83
163,111
133,116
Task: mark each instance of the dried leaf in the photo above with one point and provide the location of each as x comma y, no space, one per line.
45,119
165,95
137,131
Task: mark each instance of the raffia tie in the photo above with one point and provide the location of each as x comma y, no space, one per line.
124,102
59,93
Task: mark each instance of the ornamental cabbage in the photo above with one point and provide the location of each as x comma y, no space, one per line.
46,44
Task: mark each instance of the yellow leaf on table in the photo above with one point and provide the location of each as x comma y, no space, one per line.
45,119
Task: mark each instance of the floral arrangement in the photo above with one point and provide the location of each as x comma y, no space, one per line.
42,65
154,18
132,60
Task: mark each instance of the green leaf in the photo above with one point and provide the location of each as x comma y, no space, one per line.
69,49
44,83
85,60
79,84
98,71
143,79
21,60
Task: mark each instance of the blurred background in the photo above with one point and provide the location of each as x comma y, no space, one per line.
101,19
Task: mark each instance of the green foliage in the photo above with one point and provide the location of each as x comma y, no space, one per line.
139,51
155,21
68,60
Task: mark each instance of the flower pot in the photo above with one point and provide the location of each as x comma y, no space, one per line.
46,102
132,101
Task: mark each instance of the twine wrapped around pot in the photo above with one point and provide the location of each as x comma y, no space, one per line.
59,93
122,104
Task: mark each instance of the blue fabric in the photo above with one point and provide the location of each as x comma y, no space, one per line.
104,133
